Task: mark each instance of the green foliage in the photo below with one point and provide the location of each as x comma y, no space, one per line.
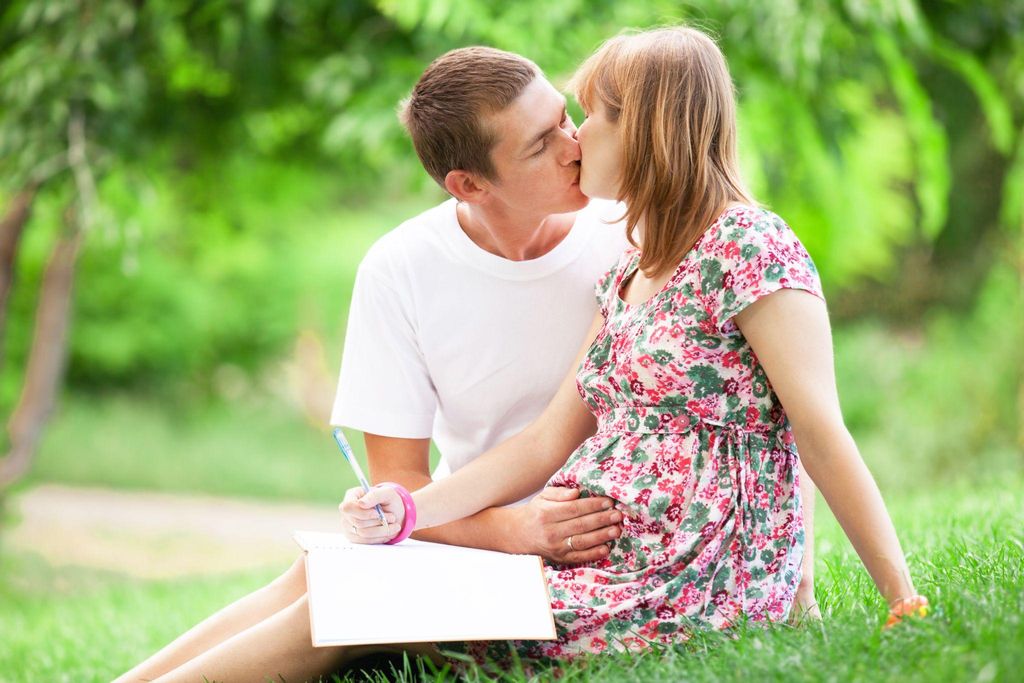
229,138
939,404
60,57
219,267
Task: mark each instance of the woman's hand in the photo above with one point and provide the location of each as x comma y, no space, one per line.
805,607
359,520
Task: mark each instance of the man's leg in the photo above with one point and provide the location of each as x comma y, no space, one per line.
215,629
277,649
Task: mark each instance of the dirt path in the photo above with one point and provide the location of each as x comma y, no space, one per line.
159,535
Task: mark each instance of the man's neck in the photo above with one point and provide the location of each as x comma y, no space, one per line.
513,237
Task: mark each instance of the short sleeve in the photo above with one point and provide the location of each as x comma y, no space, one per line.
607,286
384,386
752,254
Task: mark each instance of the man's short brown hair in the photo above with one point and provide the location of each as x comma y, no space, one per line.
444,114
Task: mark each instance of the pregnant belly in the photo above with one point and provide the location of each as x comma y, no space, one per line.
649,476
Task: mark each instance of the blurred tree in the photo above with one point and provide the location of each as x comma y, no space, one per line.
65,80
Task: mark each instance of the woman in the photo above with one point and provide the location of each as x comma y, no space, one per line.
709,361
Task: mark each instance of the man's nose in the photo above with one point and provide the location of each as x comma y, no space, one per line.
572,148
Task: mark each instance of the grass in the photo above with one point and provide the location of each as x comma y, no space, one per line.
965,547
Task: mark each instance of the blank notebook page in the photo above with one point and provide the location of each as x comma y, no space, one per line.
421,592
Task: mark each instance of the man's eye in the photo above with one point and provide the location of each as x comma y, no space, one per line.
543,146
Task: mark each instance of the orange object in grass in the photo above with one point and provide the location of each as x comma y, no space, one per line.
914,606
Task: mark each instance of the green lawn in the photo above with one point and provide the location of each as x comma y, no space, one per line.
965,547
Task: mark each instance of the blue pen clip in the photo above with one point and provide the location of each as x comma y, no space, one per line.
346,450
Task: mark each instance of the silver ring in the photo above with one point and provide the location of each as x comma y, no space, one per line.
354,529
568,542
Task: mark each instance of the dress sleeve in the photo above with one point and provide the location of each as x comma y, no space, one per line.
384,386
753,254
607,286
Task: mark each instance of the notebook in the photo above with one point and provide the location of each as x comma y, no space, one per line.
421,592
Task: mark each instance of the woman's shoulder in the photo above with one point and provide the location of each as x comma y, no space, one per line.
626,258
748,229
622,263
748,221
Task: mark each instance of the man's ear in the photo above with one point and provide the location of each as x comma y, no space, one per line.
464,186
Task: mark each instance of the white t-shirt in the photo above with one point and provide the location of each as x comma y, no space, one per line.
448,341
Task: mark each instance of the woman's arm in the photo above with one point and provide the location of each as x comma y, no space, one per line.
790,335
506,473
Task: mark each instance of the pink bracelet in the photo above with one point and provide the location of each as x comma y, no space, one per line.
409,522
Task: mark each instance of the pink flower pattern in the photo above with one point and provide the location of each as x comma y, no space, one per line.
694,446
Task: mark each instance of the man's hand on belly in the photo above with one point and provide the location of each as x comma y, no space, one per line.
565,528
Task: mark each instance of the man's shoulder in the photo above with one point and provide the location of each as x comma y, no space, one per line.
409,239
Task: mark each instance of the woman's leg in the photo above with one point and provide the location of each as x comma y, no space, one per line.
235,618
277,649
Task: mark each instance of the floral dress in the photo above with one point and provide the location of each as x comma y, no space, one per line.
694,446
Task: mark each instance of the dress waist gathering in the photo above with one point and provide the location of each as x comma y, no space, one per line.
682,420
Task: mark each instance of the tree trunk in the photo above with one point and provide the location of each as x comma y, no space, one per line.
12,224
47,355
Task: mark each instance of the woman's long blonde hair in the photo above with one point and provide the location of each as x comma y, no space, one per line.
670,93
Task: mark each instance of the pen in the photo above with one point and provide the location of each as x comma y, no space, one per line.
346,450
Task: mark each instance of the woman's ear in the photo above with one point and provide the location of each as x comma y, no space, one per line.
463,186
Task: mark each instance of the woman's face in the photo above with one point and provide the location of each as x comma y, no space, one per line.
600,155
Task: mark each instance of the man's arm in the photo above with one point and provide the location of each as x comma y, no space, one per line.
540,527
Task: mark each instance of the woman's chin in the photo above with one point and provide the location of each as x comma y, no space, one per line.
594,192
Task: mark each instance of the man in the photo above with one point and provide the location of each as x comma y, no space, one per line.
466,318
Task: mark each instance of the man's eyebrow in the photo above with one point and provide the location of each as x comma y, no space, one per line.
543,134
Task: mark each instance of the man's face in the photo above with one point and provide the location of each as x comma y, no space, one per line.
536,156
